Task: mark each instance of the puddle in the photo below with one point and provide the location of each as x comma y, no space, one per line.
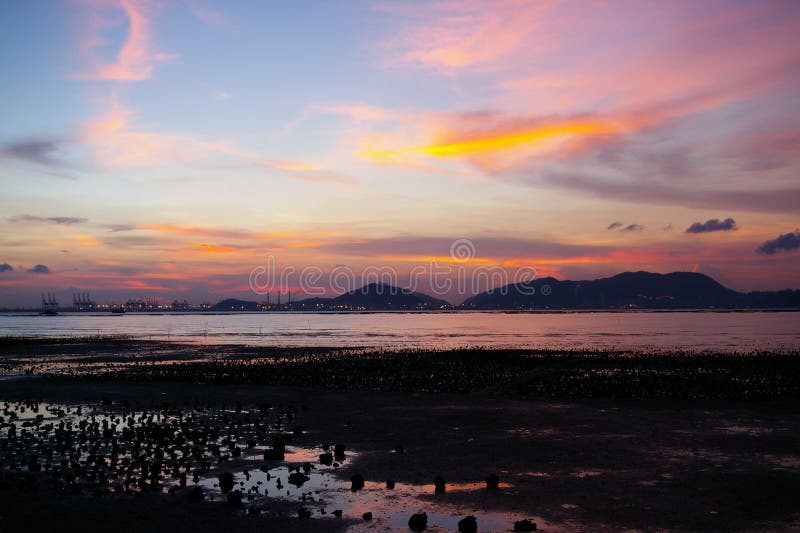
103,449
748,430
586,473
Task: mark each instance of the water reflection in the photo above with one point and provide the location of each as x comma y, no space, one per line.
696,330
217,454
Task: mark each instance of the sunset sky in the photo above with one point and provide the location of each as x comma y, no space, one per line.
167,148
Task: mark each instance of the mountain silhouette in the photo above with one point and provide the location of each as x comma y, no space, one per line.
376,296
232,304
371,297
645,290
628,290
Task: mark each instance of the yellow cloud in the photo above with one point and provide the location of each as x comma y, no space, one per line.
501,141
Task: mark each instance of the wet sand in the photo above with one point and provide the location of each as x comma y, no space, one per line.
570,464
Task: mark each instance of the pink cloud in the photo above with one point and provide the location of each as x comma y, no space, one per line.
135,59
309,172
448,36
115,141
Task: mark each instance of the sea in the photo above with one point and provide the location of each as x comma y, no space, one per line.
695,331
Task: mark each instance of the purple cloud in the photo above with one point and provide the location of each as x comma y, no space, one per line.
614,225
713,224
633,227
786,242
55,220
39,269
655,193
5,267
35,151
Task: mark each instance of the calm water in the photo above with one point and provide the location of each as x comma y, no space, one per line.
705,330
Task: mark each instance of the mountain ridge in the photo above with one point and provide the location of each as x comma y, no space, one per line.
626,290
629,290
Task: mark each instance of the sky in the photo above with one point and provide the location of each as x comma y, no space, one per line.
170,149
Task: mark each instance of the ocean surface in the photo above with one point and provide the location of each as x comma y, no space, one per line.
693,330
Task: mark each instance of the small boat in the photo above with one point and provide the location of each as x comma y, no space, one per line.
118,310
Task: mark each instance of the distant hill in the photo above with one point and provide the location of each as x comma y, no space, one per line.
372,297
645,290
375,296
232,304
628,290
382,296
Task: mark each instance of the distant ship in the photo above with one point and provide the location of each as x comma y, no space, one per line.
118,310
49,305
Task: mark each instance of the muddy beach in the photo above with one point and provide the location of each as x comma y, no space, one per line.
184,417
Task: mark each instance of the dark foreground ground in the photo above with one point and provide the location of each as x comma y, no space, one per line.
582,441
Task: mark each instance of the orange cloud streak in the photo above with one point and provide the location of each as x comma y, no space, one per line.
506,140
214,248
210,232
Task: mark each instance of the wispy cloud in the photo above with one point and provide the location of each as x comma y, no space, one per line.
660,193
310,172
216,248
135,60
66,221
198,231
448,36
40,151
209,15
116,141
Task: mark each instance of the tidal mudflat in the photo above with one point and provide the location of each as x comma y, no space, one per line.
124,434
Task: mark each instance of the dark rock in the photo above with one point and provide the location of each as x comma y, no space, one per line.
439,484
225,482
326,458
389,484
418,522
33,465
357,482
338,452
298,479
337,513
196,495
524,525
274,454
303,513
468,525
367,516
492,482
235,498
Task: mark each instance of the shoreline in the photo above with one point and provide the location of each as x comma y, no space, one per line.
515,373
35,312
